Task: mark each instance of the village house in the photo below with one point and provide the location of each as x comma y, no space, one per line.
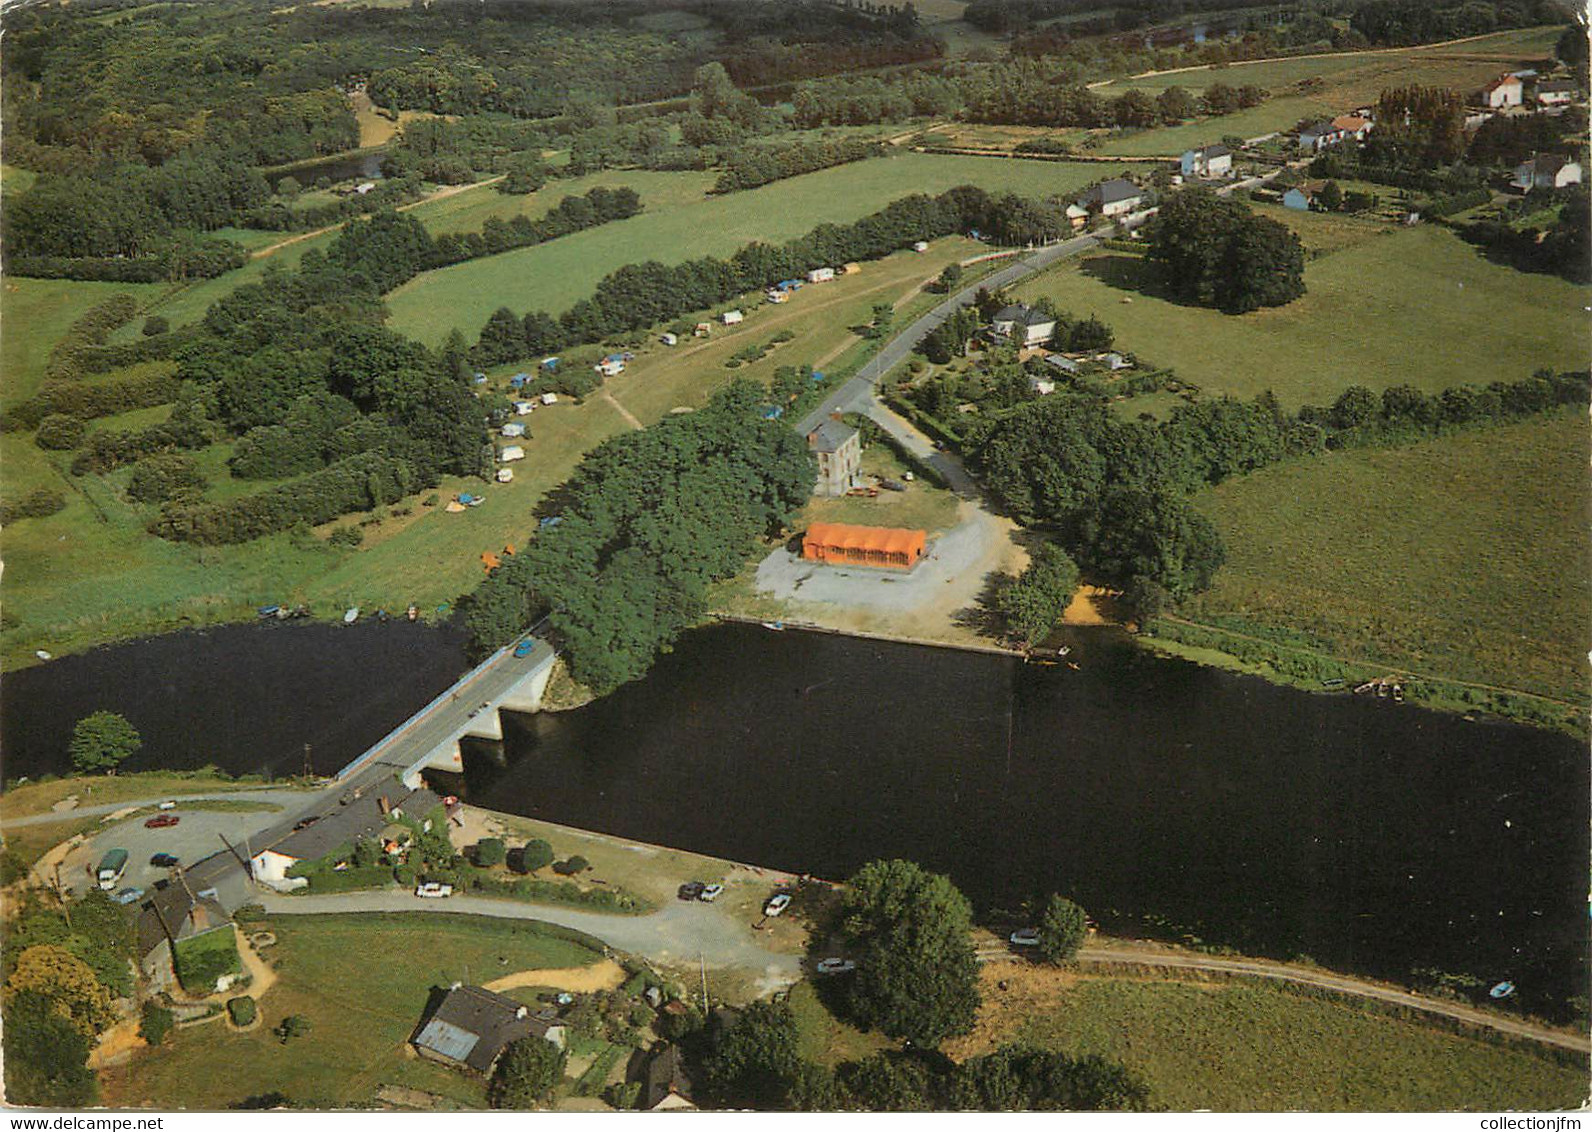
172,916
363,817
1546,172
1115,197
842,544
469,1027
1037,327
838,447
1077,216
1556,92
1210,161
1318,136
1300,198
666,1088
1350,126
1505,90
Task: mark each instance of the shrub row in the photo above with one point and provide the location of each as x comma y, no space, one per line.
359,483
89,329
107,451
90,359
206,260
36,504
101,399
761,165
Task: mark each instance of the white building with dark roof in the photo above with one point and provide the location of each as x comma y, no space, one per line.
362,817
1207,161
838,448
469,1027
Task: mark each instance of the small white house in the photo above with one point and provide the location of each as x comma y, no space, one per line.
1209,161
730,318
505,475
1077,215
669,339
510,454
920,245
1547,173
514,428
523,408
1556,92
820,275
1115,197
1506,90
549,398
1037,328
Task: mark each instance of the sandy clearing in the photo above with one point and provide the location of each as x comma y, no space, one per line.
602,975
1084,608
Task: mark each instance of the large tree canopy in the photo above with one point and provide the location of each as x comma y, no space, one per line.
1216,252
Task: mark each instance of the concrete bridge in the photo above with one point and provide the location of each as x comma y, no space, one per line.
430,738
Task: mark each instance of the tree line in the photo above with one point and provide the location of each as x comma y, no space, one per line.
647,522
747,168
1404,23
645,294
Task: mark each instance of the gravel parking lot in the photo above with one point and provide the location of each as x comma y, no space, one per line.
197,836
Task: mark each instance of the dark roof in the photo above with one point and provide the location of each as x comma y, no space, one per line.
1217,150
1556,86
829,436
1023,315
362,817
473,1024
1322,127
1547,166
665,1074
1112,191
172,913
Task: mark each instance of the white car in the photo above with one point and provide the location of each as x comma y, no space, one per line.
836,966
167,806
711,893
434,890
777,904
1025,937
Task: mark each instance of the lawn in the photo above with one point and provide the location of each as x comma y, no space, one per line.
922,505
1462,557
1413,306
37,314
1272,115
1246,1046
361,1013
199,960
553,276
100,789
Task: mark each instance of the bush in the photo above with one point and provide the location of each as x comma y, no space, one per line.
490,851
242,1010
536,854
570,867
350,536
293,1026
160,477
59,432
36,504
155,1024
155,324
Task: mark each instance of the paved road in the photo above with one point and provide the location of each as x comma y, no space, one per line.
1305,976
280,796
677,934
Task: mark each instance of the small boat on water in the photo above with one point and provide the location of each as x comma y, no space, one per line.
1503,989
382,616
351,616
776,626
41,654
268,611
412,613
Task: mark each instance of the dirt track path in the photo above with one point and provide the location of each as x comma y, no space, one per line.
605,974
440,194
630,418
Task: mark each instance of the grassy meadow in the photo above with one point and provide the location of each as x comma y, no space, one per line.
361,1013
1391,307
1251,1046
1463,556
553,276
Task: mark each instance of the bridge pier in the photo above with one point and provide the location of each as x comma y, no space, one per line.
484,721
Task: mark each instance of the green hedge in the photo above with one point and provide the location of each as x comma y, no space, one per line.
87,401
242,1010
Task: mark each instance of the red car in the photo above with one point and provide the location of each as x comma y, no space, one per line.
161,821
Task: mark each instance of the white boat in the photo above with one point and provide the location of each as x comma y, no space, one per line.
41,654
351,616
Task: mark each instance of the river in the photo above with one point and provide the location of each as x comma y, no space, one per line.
355,165
1166,797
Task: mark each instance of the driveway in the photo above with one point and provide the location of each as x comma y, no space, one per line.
679,934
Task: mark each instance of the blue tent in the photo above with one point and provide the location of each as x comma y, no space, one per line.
772,412
818,375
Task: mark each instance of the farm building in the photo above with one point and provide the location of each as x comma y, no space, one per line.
1037,327
1209,161
1350,126
730,318
1062,362
469,1027
1506,90
820,275
841,544
1115,197
1546,173
510,454
1077,215
666,1088
1299,198
174,915
838,448
1556,92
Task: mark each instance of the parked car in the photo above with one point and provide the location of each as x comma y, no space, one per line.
836,966
167,806
692,890
161,821
163,861
525,647
433,890
1025,937
711,893
777,904
128,895
305,823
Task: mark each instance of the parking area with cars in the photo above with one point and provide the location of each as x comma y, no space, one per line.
155,844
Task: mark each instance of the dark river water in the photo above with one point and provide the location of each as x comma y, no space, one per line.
341,167
1164,796
1168,798
246,698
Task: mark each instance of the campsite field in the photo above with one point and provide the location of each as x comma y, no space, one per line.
1414,306
553,276
361,1013
1460,557
1249,1046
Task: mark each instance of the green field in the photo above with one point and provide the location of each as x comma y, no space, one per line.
36,314
361,1013
553,276
1462,557
1274,114
1414,306
1246,1046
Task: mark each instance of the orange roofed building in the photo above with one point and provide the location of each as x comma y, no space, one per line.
841,544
